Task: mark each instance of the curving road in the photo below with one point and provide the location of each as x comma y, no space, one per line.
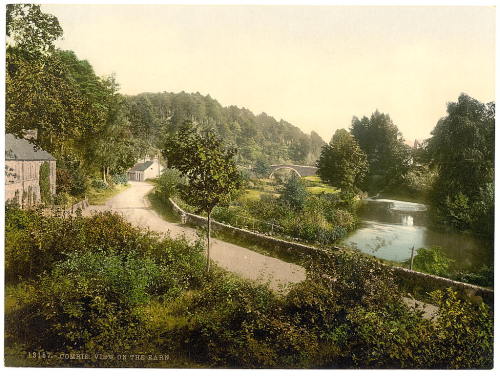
133,205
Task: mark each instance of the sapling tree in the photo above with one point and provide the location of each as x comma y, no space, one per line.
210,169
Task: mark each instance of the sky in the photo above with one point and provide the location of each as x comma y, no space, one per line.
313,66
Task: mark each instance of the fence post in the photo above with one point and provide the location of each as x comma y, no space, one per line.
411,259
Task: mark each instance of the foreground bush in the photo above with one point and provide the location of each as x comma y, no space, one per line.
348,314
100,285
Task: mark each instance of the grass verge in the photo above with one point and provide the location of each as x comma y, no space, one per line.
99,197
165,210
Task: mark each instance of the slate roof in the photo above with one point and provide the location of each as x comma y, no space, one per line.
143,166
18,149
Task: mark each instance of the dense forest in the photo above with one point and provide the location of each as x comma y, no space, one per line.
257,137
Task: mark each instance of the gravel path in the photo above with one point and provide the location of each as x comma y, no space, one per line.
132,203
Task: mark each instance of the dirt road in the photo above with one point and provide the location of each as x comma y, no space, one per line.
133,204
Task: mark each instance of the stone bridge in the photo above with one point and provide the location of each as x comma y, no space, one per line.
301,171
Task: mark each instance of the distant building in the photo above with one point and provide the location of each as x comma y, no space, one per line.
22,171
145,170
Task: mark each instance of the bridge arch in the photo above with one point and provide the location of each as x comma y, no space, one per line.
301,171
284,168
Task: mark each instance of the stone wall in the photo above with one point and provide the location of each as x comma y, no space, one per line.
413,280
22,181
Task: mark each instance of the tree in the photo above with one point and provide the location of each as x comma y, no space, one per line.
112,148
210,169
317,144
388,156
30,30
262,167
462,149
294,192
156,115
342,163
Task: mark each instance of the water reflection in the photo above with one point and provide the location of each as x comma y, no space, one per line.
391,228
407,220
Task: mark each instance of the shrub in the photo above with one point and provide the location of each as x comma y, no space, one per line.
120,179
71,178
483,277
294,193
167,184
85,303
463,333
61,199
99,285
432,261
35,242
80,281
99,184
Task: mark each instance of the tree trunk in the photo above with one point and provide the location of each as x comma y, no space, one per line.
104,174
208,240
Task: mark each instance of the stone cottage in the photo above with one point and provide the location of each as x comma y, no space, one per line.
22,171
145,170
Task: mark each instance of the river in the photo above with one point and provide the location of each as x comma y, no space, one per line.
390,228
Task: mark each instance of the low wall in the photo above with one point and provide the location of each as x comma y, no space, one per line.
79,205
411,279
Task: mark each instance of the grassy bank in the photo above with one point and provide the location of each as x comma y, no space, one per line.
163,208
100,196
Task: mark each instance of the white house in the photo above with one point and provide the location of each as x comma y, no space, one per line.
145,170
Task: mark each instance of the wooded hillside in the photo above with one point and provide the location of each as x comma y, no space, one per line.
257,137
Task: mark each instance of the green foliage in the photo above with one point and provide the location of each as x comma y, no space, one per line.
418,181
99,184
483,277
318,219
432,261
31,30
262,168
79,117
85,277
388,156
463,335
119,179
462,150
44,181
87,288
168,183
71,178
342,163
211,172
294,193
35,242
256,137
101,285
209,168
61,199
